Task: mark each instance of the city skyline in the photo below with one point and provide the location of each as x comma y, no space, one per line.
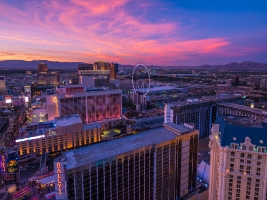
155,32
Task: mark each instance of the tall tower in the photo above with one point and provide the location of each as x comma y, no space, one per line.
42,67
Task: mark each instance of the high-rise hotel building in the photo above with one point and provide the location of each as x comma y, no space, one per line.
238,159
201,112
156,164
91,104
59,134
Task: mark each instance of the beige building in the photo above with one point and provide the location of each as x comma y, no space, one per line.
238,165
62,133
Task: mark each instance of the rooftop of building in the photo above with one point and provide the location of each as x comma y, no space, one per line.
159,88
244,108
234,129
204,99
96,152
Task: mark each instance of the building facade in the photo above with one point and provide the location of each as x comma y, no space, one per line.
44,78
201,112
238,164
156,164
57,135
94,104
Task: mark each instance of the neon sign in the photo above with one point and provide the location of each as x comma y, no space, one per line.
50,133
30,138
4,163
59,183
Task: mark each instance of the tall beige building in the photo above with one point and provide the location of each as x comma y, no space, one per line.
157,164
238,165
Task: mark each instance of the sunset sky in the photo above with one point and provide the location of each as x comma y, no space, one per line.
156,32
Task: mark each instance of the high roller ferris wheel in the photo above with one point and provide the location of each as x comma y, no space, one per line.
141,85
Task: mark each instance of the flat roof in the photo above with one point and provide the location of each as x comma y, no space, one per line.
159,88
235,129
241,121
67,120
245,108
96,152
204,99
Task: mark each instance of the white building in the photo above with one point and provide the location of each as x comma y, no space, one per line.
238,167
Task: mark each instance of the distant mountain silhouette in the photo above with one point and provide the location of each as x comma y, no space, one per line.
22,64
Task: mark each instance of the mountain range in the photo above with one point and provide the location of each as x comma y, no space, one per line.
22,64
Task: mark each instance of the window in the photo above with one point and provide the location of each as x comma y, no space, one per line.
231,176
257,185
241,166
238,186
258,169
257,180
251,148
237,190
238,182
232,153
249,179
239,177
230,189
259,157
242,155
248,192
248,187
249,162
234,146
249,183
261,149
230,180
241,161
249,155
231,165
248,167
258,163
232,159
243,147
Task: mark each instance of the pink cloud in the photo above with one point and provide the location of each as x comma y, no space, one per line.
96,30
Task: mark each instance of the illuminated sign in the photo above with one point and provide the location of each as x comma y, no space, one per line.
4,163
30,138
12,163
59,183
26,99
12,169
8,101
51,133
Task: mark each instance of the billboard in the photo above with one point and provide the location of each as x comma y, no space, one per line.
11,163
8,101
